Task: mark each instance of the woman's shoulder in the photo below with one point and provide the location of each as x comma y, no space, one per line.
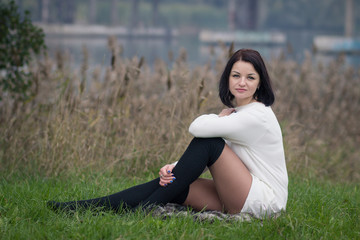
254,107
258,113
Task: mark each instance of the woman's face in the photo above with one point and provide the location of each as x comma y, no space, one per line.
243,82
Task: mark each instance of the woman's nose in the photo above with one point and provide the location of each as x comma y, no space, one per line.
242,81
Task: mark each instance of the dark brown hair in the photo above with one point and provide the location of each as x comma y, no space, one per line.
263,94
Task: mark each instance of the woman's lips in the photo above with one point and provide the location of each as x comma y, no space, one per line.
240,89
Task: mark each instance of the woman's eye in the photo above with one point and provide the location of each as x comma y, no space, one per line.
251,78
235,75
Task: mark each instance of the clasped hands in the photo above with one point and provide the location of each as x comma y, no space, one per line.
166,175
226,112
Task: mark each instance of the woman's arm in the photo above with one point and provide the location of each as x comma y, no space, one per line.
241,127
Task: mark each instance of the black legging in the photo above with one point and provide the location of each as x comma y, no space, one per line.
200,153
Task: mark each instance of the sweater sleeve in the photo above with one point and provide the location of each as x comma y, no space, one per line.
243,127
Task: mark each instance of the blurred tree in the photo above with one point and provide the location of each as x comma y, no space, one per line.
20,4
243,14
322,15
303,15
92,12
134,13
349,19
44,10
65,11
155,8
19,39
114,12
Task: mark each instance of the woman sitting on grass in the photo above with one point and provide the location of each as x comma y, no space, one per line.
241,146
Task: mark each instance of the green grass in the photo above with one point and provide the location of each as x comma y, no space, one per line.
315,210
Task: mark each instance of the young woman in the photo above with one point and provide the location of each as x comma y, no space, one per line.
241,146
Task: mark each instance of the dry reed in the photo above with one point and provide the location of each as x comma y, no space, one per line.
134,118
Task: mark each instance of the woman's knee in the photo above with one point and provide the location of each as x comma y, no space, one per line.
214,147
216,141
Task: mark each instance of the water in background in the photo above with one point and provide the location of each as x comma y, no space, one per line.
197,53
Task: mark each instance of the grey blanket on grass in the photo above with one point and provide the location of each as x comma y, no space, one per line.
175,210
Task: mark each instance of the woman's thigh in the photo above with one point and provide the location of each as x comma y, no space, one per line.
232,180
203,195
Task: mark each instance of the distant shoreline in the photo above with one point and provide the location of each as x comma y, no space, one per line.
103,31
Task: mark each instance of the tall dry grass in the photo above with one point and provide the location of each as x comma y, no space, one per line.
129,118
319,107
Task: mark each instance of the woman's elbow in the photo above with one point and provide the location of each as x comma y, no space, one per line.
193,130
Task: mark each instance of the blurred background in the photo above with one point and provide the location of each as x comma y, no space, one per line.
120,74
153,28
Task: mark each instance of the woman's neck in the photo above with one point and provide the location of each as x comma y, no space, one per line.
243,103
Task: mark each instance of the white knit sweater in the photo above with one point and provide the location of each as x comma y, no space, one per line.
254,134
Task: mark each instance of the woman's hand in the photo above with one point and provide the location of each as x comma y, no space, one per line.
226,112
166,175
